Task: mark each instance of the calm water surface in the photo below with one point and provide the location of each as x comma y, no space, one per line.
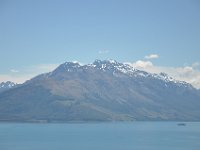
100,136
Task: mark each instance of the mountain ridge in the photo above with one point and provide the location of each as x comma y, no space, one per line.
101,91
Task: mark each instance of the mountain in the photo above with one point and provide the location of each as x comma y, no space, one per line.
6,86
101,91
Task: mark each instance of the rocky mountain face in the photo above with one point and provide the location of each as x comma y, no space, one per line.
102,91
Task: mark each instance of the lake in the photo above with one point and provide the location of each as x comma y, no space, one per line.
100,136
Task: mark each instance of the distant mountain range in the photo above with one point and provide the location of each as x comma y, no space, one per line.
6,86
102,91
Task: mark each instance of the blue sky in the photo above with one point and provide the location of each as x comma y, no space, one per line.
48,32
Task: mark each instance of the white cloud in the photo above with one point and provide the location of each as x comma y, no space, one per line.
196,64
190,74
151,56
27,73
75,61
14,71
142,64
103,52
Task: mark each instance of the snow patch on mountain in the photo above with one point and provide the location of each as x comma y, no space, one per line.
7,84
116,69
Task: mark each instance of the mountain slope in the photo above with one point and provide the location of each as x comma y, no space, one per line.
101,91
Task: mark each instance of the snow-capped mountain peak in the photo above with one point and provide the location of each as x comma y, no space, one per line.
108,62
7,85
71,64
117,69
67,66
105,64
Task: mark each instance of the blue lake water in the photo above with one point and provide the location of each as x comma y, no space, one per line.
100,136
